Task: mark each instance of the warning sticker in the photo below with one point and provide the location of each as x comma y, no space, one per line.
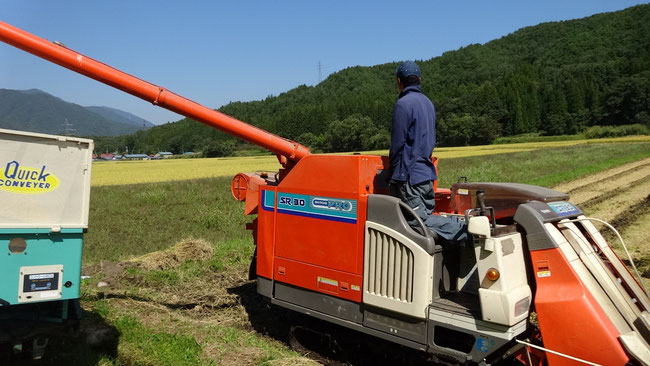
544,274
464,192
47,294
328,281
328,284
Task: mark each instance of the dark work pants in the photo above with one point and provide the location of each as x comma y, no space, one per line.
421,198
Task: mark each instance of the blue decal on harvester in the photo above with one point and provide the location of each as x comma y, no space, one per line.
484,345
268,200
326,208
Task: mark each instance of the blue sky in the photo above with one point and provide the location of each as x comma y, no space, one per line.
215,52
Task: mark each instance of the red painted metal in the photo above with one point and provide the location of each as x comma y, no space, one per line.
290,151
299,250
239,186
570,319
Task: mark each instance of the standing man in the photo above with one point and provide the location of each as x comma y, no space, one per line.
413,138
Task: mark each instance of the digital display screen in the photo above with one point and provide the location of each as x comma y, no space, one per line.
40,282
564,208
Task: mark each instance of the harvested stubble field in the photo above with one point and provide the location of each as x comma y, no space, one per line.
169,261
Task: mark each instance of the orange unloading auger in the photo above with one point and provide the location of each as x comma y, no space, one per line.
288,152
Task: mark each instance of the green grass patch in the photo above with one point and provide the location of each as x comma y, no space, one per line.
232,252
546,167
596,132
579,172
535,137
101,308
138,342
132,220
167,277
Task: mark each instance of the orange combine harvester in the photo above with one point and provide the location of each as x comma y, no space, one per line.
331,243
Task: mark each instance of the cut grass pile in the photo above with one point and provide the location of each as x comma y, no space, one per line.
187,249
134,172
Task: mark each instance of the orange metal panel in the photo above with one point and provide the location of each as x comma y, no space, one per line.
326,174
340,284
570,319
320,219
321,242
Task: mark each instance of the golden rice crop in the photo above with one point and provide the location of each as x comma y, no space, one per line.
132,172
464,151
149,171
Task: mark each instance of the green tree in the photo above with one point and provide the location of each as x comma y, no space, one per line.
217,149
351,134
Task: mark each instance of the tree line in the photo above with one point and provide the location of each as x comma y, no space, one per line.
554,78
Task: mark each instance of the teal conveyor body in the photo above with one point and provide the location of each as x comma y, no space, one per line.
49,265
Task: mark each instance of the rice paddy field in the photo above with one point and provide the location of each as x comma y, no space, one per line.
111,173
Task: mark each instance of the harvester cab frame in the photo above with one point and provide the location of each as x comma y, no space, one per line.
331,243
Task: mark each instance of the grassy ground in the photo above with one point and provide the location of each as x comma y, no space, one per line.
190,303
133,220
544,167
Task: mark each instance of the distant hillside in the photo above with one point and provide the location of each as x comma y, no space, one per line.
37,111
117,115
553,78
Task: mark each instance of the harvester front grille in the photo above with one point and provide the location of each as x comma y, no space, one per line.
390,267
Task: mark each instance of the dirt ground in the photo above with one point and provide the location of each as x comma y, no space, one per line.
620,196
209,307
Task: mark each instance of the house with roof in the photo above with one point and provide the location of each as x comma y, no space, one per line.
136,156
164,154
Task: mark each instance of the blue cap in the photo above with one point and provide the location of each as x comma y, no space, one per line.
406,69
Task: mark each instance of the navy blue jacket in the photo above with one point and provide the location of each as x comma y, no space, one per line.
413,137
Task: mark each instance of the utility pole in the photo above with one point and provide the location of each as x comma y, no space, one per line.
67,128
320,72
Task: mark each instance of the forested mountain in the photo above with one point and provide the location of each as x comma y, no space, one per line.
553,78
37,111
117,115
